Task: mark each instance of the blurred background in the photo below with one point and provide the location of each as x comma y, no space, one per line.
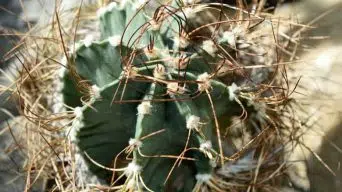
321,49
12,177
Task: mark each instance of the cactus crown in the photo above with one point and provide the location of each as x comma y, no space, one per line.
160,95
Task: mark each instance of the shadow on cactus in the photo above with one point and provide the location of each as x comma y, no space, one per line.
164,88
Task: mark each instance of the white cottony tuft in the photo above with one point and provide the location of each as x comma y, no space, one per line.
179,63
209,46
77,124
174,88
61,72
180,42
82,167
59,87
102,10
88,40
213,163
229,37
111,6
74,47
204,82
134,142
159,72
78,112
80,163
130,71
64,60
232,91
144,108
114,40
155,26
83,176
206,146
151,53
203,177
132,168
96,91
192,122
58,106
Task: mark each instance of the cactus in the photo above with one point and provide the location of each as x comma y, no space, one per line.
160,95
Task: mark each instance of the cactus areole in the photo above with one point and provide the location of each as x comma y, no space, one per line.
155,99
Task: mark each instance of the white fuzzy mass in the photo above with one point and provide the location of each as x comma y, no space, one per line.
102,10
205,146
114,40
203,177
132,168
232,89
144,108
204,83
88,40
134,142
209,46
96,91
78,113
192,122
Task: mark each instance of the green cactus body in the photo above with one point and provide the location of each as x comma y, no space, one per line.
152,99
